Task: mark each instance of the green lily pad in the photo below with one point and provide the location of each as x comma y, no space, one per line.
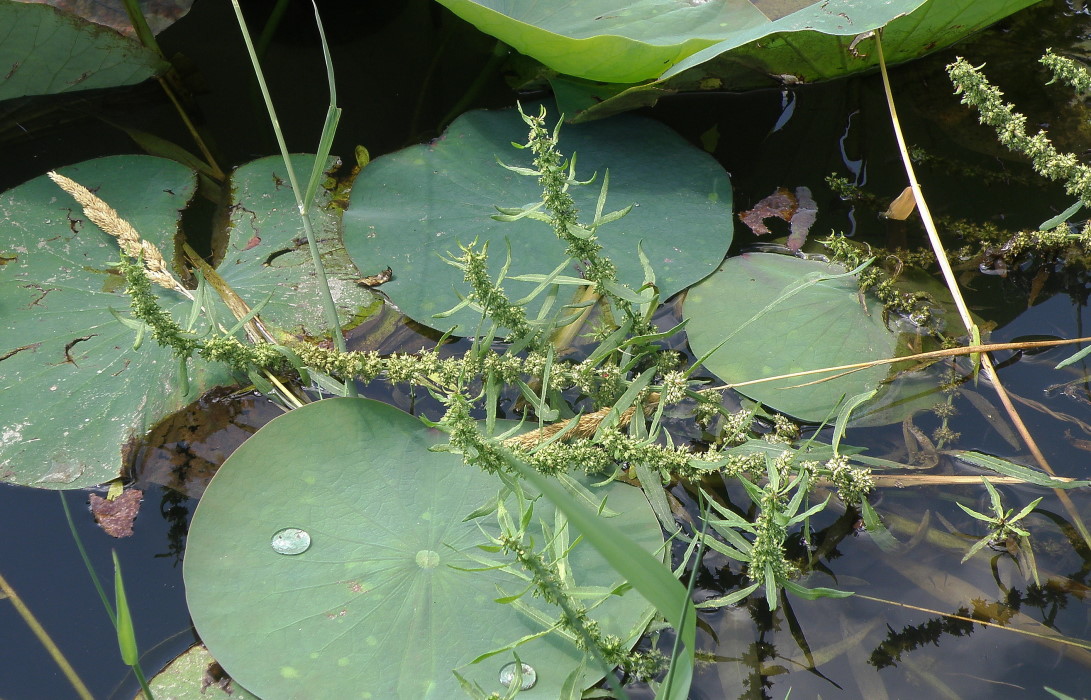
267,257
45,51
615,57
371,596
412,207
766,330
74,394
194,675
159,14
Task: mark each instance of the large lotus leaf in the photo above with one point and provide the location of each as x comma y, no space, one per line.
816,42
159,14
412,207
73,392
607,41
723,44
380,604
774,322
267,257
44,51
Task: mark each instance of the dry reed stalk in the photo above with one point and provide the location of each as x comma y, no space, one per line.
106,218
960,304
586,427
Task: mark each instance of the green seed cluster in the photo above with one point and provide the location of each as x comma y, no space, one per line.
549,586
1010,126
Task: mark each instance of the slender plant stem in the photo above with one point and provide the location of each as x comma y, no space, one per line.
960,303
931,355
563,337
140,26
45,639
87,562
328,304
271,26
216,172
1050,638
143,681
147,38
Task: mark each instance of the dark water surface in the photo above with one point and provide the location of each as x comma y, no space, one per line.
400,72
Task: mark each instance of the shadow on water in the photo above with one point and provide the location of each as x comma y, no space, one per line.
924,624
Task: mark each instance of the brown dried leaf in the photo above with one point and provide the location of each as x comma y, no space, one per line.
781,204
798,209
902,206
116,517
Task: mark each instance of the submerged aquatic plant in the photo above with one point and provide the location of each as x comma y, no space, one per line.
1003,530
607,415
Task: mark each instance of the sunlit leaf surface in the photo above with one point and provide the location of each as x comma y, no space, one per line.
769,333
373,600
412,207
606,51
44,51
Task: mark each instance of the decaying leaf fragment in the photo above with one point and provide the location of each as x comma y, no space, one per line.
798,209
902,206
116,517
375,280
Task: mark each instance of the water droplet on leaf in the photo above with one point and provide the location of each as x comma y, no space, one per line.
529,677
291,540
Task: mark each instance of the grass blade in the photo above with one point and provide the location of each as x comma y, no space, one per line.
126,635
644,572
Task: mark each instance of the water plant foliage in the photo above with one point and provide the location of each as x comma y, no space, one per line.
350,548
764,315
76,393
67,325
613,58
47,51
413,208
394,590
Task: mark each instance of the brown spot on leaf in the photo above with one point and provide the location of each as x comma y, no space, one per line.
6,355
116,517
44,291
69,345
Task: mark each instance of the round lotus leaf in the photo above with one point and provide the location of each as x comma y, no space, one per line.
331,557
412,208
267,259
47,51
74,393
614,56
772,314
